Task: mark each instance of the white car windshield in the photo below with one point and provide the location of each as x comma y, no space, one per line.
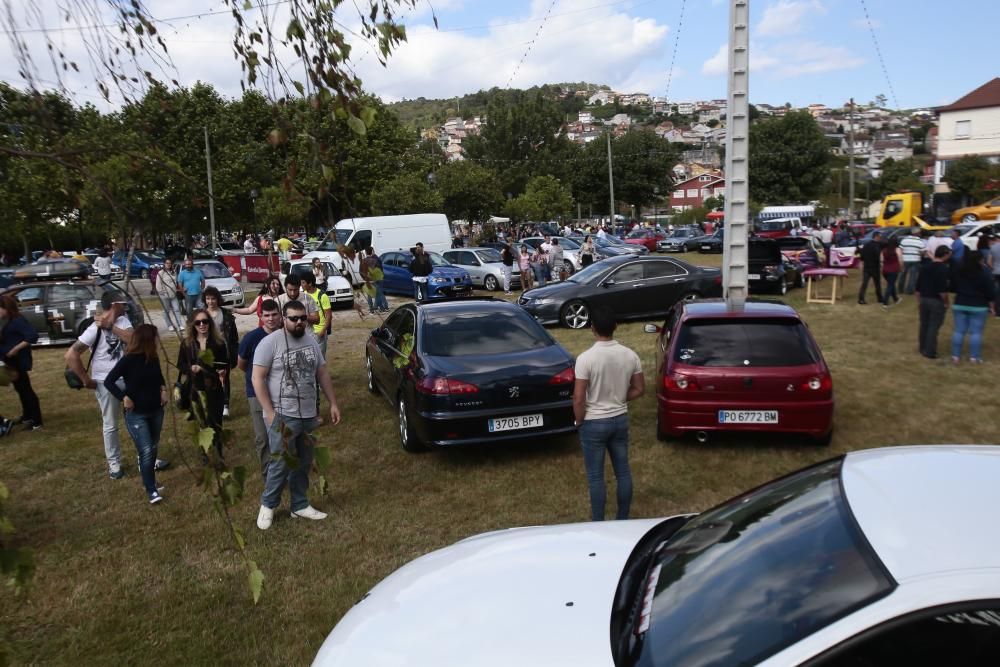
214,270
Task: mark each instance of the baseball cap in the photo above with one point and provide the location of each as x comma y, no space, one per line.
111,297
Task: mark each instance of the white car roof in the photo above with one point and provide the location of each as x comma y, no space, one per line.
927,510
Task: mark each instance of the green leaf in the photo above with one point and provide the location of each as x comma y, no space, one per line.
291,461
321,485
205,438
323,457
247,4
376,274
241,540
240,476
368,116
299,87
256,579
368,289
357,125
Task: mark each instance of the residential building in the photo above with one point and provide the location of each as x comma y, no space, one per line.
968,126
693,192
586,117
602,96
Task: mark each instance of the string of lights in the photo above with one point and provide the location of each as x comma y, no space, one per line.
673,58
878,51
531,44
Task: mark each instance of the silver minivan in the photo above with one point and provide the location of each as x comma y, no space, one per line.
484,265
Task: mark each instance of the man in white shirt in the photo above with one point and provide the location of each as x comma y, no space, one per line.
601,234
934,242
913,248
825,236
608,376
106,339
248,246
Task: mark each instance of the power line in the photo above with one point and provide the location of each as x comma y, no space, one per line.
673,58
531,43
878,50
510,23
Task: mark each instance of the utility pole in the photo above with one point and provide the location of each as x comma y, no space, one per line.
850,160
211,197
737,210
611,184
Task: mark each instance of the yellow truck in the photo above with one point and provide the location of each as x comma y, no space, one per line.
903,209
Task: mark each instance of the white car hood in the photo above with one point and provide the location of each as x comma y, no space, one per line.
525,596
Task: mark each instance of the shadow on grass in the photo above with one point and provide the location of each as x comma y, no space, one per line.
734,442
506,452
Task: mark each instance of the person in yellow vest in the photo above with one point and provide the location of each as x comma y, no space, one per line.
284,246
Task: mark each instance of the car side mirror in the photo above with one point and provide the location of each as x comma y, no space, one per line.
652,328
610,282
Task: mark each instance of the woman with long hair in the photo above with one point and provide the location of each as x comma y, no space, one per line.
143,397
319,272
226,325
892,264
974,297
272,289
16,339
587,252
524,264
204,377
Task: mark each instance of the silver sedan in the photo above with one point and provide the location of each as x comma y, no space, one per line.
484,265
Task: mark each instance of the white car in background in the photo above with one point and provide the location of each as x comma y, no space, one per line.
971,231
877,557
485,267
217,275
337,287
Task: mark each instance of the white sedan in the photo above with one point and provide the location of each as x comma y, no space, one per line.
338,289
877,557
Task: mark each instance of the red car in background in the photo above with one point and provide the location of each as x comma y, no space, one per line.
645,237
753,369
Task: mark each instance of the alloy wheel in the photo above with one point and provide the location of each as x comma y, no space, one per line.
577,315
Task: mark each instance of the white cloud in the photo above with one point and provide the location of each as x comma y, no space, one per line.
787,59
786,17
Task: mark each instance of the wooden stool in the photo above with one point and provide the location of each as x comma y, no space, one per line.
838,276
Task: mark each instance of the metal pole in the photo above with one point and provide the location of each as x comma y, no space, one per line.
211,197
737,209
611,184
850,164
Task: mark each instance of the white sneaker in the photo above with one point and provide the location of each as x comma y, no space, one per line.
308,512
265,517
225,411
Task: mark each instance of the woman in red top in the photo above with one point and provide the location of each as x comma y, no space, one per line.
892,264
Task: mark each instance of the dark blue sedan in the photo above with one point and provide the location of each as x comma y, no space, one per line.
470,371
445,280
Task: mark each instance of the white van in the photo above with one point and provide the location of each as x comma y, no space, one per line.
388,232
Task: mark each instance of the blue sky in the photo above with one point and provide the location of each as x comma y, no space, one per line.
802,51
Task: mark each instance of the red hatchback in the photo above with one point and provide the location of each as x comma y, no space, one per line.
644,237
753,369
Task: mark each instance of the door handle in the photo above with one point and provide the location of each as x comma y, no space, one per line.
638,285
677,280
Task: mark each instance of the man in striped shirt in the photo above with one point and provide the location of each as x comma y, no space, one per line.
913,248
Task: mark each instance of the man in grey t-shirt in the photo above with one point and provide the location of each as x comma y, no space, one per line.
287,366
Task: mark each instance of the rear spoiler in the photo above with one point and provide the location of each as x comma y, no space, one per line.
930,228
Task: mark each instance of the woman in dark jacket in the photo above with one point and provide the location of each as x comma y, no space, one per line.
226,325
974,296
143,399
15,350
202,379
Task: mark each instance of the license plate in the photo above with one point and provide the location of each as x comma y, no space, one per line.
748,416
514,423
706,247
753,276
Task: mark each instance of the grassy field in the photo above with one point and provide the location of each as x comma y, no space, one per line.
121,582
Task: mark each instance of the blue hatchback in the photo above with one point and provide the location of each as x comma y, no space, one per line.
142,263
445,280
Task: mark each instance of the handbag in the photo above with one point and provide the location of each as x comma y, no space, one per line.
72,379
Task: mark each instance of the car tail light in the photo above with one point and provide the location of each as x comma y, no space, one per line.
818,383
566,376
445,387
718,279
680,382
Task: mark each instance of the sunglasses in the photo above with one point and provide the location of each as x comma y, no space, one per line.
296,318
198,323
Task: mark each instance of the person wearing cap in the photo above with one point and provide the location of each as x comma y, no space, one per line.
106,338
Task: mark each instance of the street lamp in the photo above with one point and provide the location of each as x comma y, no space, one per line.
253,198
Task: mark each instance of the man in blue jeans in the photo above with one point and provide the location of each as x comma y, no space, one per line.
192,282
608,376
288,365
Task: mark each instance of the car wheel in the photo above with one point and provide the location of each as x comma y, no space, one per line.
144,274
371,375
783,286
661,435
970,217
568,265
491,284
407,436
576,315
825,440
798,280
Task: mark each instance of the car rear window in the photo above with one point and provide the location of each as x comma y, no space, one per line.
482,333
745,342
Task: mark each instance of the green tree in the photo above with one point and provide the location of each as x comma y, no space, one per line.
788,159
545,198
406,193
468,191
972,178
280,208
898,176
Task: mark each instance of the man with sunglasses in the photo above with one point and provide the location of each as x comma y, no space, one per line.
270,321
287,367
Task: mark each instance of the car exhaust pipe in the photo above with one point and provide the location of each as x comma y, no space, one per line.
701,437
